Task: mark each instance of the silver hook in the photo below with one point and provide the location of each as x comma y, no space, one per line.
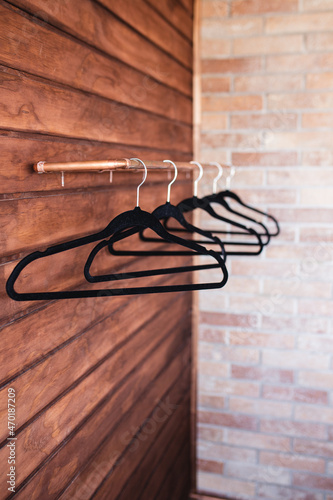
62,178
173,180
196,182
228,181
219,175
143,180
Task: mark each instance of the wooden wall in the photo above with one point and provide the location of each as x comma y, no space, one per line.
102,384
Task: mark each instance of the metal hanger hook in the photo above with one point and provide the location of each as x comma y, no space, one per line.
230,176
173,180
143,180
219,175
196,182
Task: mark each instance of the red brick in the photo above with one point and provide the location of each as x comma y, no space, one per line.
317,197
316,307
265,159
213,8
215,451
313,447
270,121
231,354
225,319
257,440
268,45
258,473
317,158
312,177
303,139
212,334
228,387
262,339
316,81
215,48
292,461
222,485
290,428
248,7
214,28
227,140
300,23
304,215
292,323
317,5
313,482
292,285
315,343
299,394
210,466
231,103
261,196
207,401
295,359
213,434
215,84
316,379
213,369
317,120
282,493
260,407
319,42
260,83
321,100
262,373
214,121
233,65
314,413
302,62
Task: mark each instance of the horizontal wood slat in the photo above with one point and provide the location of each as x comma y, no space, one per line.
68,61
29,104
98,453
92,80
20,152
55,424
141,17
174,12
93,24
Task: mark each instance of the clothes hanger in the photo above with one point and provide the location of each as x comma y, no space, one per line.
168,210
221,199
130,219
194,202
167,237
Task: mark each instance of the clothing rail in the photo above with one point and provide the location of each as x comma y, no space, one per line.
43,167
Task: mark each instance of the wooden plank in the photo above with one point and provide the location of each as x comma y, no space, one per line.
106,459
54,425
174,12
144,19
46,220
21,152
173,487
163,474
148,463
30,340
173,430
93,24
29,104
188,5
51,55
44,382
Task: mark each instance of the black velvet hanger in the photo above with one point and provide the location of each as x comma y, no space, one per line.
194,202
132,220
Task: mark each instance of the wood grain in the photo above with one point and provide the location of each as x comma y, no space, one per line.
88,21
92,80
79,66
29,104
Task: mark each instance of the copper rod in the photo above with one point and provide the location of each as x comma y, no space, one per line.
108,165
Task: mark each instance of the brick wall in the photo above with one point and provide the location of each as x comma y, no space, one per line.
265,417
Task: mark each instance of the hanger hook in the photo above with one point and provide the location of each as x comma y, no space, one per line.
219,175
196,182
228,181
173,180
143,180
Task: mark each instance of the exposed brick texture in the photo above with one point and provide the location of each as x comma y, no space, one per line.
265,387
